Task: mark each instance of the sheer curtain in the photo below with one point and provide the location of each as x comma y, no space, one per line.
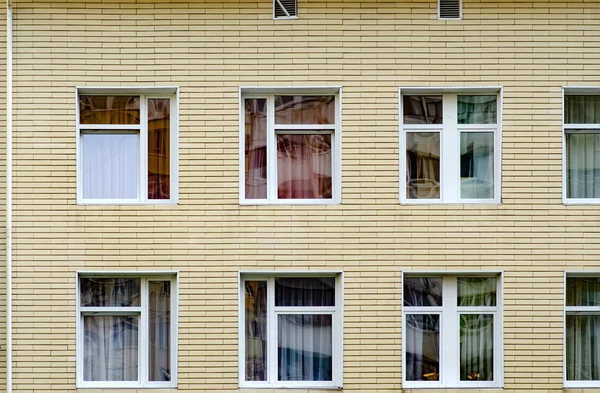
583,161
583,147
422,347
305,339
304,166
159,316
476,329
110,165
255,146
110,349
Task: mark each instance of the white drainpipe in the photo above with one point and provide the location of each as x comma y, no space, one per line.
9,97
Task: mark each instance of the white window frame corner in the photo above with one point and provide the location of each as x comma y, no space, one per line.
145,92
573,90
336,338
268,93
450,188
498,367
142,383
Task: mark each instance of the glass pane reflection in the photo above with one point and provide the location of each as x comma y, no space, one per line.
422,347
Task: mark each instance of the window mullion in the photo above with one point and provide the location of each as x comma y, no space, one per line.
271,333
450,151
143,175
271,150
450,353
144,326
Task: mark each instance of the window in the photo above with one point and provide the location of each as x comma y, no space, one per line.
126,332
290,148
127,146
581,126
450,146
285,9
290,331
451,332
582,331
449,9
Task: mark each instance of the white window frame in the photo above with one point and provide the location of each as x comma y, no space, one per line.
450,143
269,93
450,338
566,90
142,310
567,309
145,93
336,330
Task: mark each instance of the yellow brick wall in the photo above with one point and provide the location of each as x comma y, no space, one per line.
2,196
209,49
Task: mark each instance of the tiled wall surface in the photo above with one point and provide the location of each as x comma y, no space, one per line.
211,48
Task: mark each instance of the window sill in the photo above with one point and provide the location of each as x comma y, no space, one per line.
294,202
582,201
262,388
172,202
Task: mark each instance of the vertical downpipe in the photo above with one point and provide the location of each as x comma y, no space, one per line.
9,97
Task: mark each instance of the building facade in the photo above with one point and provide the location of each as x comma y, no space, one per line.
243,195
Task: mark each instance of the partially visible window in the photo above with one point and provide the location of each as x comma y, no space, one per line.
285,9
126,335
290,148
451,332
451,146
582,329
582,144
449,9
127,148
292,332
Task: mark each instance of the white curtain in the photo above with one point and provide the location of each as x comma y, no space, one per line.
305,347
110,349
110,166
583,165
476,347
583,347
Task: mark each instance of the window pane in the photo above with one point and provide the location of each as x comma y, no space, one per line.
477,109
110,166
305,292
583,164
159,148
422,347
476,347
304,109
159,340
476,165
583,291
304,347
110,348
422,292
582,109
109,109
583,347
423,165
304,166
109,292
255,146
476,291
256,330
422,109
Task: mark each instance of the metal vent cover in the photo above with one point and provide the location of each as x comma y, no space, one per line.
285,8
449,9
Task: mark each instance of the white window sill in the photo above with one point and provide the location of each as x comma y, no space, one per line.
116,202
581,384
121,385
291,202
582,201
260,387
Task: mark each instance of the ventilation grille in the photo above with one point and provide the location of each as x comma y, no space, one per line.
449,9
285,8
